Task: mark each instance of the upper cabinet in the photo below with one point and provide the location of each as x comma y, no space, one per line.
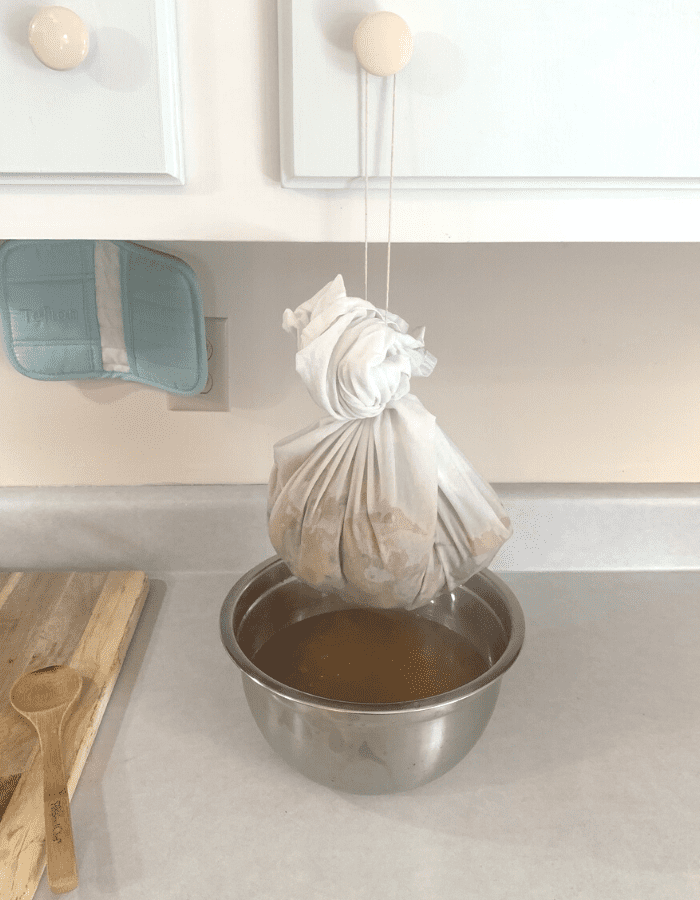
94,100
533,121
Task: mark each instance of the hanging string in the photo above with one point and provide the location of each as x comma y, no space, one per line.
391,187
366,167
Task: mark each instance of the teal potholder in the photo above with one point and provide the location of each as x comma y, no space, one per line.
102,309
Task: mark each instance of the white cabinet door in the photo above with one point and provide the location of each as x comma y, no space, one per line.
498,94
516,184
113,119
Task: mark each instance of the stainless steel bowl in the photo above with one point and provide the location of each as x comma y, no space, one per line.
370,748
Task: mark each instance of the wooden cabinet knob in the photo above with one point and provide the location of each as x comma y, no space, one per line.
383,43
58,37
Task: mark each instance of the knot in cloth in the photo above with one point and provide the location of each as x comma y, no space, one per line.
354,360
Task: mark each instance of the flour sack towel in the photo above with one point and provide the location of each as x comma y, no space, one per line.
374,501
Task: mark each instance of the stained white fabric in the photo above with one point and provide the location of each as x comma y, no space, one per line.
374,501
108,294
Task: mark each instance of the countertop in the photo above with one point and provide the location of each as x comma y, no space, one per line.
586,783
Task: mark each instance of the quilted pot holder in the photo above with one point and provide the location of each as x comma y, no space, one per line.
102,309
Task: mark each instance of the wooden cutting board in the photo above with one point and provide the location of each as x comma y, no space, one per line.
81,619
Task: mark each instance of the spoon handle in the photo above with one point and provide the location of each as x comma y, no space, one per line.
60,851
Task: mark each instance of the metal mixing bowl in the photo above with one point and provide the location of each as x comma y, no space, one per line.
370,748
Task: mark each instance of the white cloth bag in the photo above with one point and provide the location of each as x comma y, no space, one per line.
374,501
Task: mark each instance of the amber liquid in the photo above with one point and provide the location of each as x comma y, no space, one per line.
370,656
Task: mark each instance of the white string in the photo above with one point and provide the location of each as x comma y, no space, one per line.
366,165
391,186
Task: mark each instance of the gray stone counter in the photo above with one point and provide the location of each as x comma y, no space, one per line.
585,783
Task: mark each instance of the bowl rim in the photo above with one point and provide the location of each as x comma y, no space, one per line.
492,674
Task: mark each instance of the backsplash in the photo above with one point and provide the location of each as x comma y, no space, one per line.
556,363
223,528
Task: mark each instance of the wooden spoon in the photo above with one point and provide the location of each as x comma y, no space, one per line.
43,697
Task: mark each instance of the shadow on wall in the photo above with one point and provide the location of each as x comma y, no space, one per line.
506,314
272,278
491,311
252,284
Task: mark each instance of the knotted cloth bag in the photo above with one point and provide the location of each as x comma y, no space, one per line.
374,501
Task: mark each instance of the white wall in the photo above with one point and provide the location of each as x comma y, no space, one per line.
556,363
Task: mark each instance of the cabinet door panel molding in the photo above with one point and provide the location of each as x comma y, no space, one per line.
113,119
581,94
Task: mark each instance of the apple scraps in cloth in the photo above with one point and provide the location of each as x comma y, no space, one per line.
374,501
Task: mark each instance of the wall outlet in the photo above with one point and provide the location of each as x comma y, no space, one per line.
214,396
